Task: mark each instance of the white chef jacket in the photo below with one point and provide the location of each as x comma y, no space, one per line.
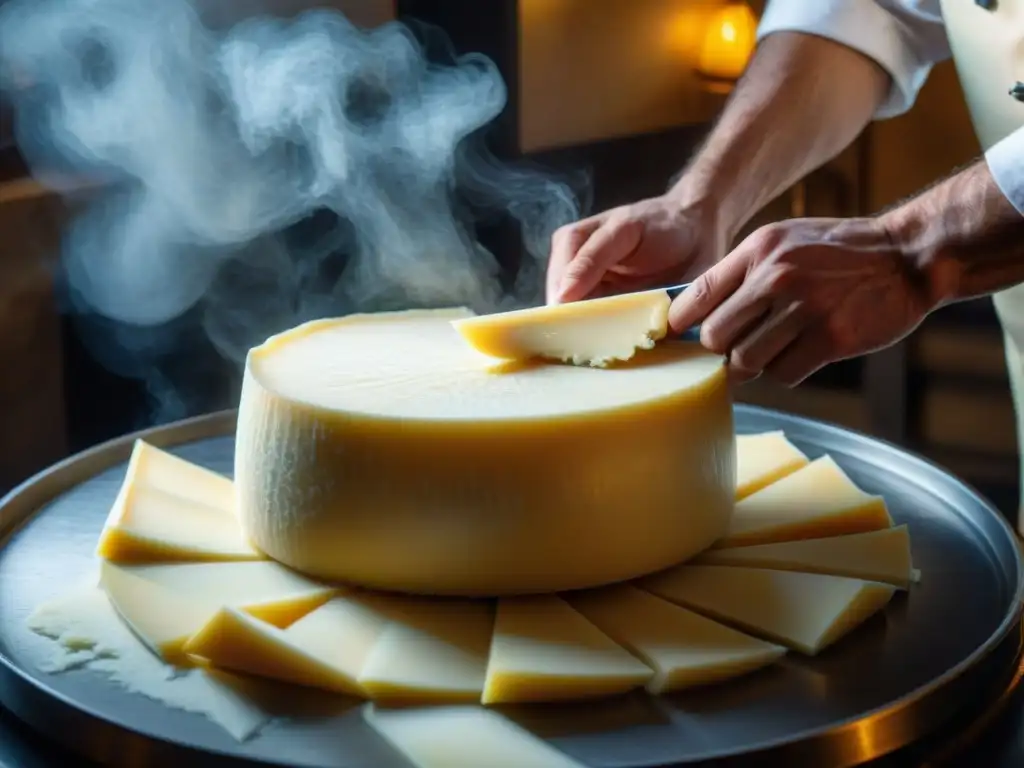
906,38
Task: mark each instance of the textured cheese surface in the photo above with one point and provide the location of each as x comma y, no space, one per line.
463,737
595,332
168,509
684,647
805,611
380,450
763,458
882,555
816,501
543,650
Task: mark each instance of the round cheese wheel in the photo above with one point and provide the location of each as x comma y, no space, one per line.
381,450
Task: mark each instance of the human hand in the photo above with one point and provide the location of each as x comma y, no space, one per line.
655,242
800,294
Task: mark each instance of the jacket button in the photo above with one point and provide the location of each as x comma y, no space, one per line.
1017,91
988,5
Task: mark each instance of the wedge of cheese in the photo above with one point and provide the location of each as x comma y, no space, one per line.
382,451
543,650
804,611
595,332
431,651
816,501
326,649
463,737
882,555
261,588
763,458
685,648
161,618
168,509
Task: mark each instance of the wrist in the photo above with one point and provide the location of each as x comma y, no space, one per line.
918,236
714,191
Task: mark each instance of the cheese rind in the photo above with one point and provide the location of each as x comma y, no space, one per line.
882,555
816,501
685,648
804,611
380,451
543,650
762,459
596,332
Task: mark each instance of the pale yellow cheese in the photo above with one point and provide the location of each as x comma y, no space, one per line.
595,332
432,650
763,458
381,451
170,510
685,648
882,555
261,588
816,501
463,737
543,650
804,611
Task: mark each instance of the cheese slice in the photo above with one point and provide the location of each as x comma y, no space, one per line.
763,458
170,510
325,649
431,651
685,648
161,618
596,332
381,451
804,611
882,555
463,737
543,650
261,588
816,501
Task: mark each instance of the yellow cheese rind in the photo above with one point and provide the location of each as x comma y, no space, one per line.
805,611
543,650
685,648
380,451
596,332
764,458
882,555
816,501
463,737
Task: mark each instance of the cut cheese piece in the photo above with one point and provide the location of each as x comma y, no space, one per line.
381,451
167,510
463,737
543,650
882,555
325,649
805,611
762,459
161,618
432,650
685,648
816,501
595,332
261,588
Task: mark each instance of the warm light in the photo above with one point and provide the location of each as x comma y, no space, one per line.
728,42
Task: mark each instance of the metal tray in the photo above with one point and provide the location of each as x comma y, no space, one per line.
954,639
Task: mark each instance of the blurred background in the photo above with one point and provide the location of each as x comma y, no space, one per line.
622,89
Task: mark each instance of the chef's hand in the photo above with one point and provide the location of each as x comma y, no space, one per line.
803,293
652,243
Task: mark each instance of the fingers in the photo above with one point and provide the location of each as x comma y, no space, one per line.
706,292
564,245
768,340
611,243
808,354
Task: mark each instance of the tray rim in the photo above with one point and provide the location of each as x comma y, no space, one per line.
29,496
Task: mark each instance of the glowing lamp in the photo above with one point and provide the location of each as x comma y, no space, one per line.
728,42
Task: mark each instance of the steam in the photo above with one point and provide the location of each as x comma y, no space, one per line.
207,146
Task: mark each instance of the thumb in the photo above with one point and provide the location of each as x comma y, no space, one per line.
611,244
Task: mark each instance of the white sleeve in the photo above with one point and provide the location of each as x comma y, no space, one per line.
905,37
1006,163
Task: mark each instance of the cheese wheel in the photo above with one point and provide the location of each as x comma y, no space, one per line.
382,450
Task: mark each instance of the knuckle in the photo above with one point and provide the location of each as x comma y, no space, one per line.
712,338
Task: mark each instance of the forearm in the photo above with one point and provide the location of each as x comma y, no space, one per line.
963,236
802,100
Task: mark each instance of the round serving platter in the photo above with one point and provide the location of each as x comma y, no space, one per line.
955,638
